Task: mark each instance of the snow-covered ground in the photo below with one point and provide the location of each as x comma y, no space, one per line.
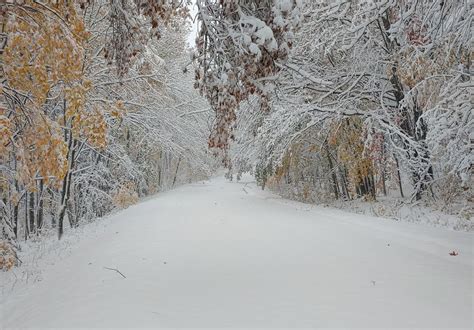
222,254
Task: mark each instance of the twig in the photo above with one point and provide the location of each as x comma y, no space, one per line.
118,271
16,257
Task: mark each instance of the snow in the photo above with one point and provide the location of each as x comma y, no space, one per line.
223,254
254,49
284,5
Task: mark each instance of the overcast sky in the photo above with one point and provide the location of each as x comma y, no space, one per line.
192,34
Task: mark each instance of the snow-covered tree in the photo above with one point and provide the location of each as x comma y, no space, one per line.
241,46
85,131
397,70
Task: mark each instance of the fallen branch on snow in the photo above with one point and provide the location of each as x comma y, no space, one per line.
118,271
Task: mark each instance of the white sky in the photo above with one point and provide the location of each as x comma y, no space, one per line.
192,34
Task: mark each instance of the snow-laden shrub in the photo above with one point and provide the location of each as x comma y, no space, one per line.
126,195
8,256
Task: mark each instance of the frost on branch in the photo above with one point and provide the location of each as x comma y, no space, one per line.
373,91
76,140
240,46
133,23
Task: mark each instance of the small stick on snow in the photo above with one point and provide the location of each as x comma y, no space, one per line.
118,271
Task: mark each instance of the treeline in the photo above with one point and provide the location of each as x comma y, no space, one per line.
374,99
95,110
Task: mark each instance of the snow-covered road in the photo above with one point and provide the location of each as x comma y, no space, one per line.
221,254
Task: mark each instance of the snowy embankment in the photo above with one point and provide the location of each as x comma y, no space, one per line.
221,254
454,216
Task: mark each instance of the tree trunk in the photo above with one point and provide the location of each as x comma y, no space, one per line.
409,122
72,143
159,169
345,189
335,185
399,178
26,217
16,207
384,185
53,209
176,172
372,186
384,167
420,132
31,213
15,219
39,218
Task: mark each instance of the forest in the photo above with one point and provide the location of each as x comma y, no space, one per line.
104,102
236,163
93,116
